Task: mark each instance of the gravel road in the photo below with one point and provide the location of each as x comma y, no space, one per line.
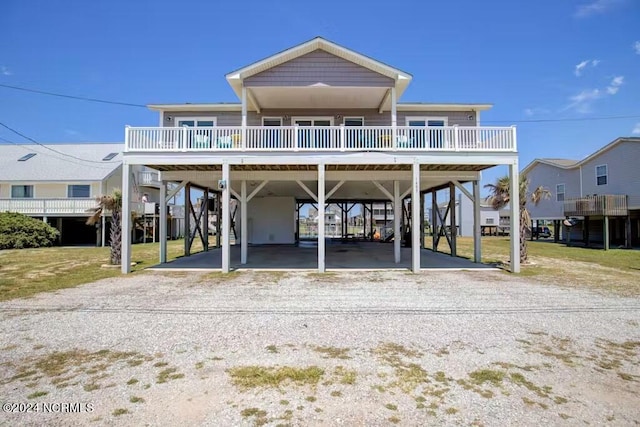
383,348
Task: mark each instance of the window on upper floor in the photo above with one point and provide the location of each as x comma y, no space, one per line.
196,121
489,220
354,121
602,175
560,193
272,121
22,191
78,191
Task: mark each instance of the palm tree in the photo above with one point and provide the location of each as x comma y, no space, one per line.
500,197
112,203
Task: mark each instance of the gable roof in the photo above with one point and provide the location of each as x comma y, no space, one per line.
571,164
47,165
236,77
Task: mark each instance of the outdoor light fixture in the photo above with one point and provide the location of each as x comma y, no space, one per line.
222,184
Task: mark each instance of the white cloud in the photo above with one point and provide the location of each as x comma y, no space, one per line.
636,47
5,71
530,112
596,7
615,84
636,129
584,64
582,101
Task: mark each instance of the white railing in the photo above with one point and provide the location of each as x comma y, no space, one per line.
328,138
148,178
47,206
41,207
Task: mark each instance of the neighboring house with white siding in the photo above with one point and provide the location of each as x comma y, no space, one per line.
58,183
603,190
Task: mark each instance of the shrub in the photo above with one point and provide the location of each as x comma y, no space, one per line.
19,231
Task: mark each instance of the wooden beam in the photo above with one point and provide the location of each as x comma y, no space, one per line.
175,191
233,192
253,101
256,190
464,190
383,190
309,192
406,193
334,189
386,96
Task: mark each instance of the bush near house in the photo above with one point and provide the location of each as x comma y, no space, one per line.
18,231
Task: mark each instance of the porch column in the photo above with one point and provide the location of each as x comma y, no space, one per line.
125,263
187,219
394,118
453,219
163,222
321,198
514,208
477,231
243,222
605,238
434,220
422,198
244,116
205,219
415,219
218,224
103,225
397,216
627,227
226,218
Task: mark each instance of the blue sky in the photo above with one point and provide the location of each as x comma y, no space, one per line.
568,59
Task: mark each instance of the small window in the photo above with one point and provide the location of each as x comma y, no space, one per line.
601,175
489,220
197,122
22,191
109,157
26,157
272,121
560,193
78,191
354,121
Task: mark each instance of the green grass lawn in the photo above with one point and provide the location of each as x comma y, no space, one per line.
25,272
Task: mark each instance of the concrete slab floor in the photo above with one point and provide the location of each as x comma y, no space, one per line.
339,256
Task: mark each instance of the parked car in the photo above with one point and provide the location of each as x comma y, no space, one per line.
543,232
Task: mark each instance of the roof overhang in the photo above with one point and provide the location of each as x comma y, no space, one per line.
409,106
401,78
196,107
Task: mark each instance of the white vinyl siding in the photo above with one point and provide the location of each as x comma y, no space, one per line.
560,193
602,175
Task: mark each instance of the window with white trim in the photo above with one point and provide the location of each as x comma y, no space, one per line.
78,191
272,121
602,175
560,193
22,191
490,221
200,122
354,121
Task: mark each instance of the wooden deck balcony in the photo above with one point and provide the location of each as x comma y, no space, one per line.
605,205
55,207
321,139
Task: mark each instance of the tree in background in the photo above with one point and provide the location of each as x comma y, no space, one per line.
500,197
113,204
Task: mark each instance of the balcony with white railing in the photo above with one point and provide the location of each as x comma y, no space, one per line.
47,206
149,178
321,139
56,207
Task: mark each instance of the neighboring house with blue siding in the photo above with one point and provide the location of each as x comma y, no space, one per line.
603,190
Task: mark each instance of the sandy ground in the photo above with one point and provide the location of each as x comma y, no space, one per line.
471,348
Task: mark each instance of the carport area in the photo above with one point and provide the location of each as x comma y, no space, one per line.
339,256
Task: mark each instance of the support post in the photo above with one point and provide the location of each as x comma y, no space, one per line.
321,197
394,119
218,223
434,221
415,219
205,223
125,263
243,222
397,217
514,207
627,227
385,221
606,233
453,219
244,117
163,222
187,219
103,231
226,218
477,231
421,222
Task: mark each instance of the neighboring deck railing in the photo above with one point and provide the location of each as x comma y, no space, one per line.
54,207
47,206
148,178
328,138
609,205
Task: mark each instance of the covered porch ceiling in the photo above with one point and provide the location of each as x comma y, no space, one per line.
282,180
319,97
